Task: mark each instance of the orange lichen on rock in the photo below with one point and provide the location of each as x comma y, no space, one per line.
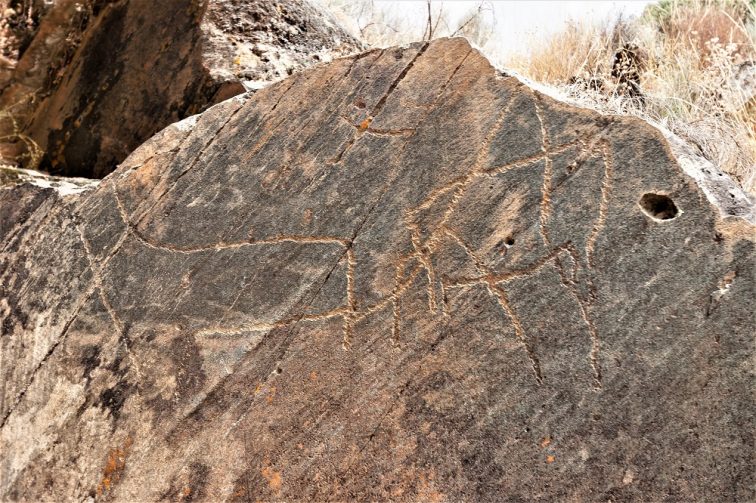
545,442
365,124
550,459
273,477
271,395
426,488
147,175
114,467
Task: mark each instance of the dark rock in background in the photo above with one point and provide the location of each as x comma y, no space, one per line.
100,77
401,276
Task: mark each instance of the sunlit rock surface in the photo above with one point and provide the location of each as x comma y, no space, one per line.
400,276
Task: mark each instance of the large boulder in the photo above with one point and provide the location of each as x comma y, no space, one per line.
400,276
102,76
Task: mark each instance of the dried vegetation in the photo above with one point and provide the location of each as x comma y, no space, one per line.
688,65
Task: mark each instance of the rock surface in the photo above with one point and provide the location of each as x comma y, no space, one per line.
19,22
400,276
100,77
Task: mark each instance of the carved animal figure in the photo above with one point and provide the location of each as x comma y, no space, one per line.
432,237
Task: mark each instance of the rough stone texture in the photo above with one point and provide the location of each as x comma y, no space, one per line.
19,22
400,276
102,76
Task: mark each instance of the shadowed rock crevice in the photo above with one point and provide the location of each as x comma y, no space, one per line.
128,68
658,206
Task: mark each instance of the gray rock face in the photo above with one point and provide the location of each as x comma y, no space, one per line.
400,276
101,77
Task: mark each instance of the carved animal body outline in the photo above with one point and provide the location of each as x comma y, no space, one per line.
423,249
349,313
425,246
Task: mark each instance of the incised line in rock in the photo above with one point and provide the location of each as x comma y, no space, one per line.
501,298
606,187
96,274
364,125
422,249
544,216
97,279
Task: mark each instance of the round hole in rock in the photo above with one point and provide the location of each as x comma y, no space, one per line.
658,206
509,241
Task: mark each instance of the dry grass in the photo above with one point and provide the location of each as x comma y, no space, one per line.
582,50
695,69
16,148
378,26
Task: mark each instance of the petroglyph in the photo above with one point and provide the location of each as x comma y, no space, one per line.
477,266
425,245
423,248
